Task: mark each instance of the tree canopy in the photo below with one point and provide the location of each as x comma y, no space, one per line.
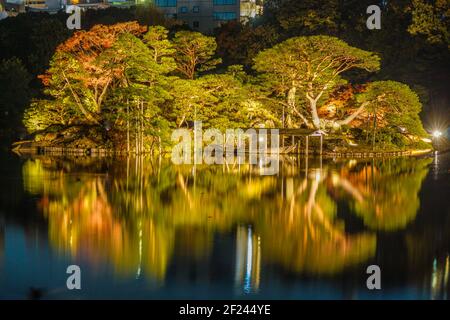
314,66
128,85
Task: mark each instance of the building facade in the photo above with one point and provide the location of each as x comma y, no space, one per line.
201,15
33,5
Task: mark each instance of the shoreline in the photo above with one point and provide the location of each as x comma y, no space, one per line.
31,148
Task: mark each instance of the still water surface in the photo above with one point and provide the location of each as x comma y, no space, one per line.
146,229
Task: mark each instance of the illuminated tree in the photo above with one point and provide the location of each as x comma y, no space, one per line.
157,40
74,70
194,53
394,103
314,66
185,104
140,86
109,78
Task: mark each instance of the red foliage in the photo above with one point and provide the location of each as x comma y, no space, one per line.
85,46
98,38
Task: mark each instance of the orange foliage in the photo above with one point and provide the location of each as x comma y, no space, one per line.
90,43
339,99
85,46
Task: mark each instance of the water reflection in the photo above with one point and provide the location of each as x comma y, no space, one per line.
248,260
139,214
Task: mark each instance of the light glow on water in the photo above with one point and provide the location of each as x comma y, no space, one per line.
225,233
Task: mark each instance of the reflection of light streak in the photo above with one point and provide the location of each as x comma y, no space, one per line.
446,271
436,165
248,273
439,279
447,267
258,265
434,279
248,260
138,273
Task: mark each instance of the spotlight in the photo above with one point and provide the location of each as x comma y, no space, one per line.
437,134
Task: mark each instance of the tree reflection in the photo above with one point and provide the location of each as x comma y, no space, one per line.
138,214
306,235
386,192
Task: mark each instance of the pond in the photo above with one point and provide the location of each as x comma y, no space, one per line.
147,229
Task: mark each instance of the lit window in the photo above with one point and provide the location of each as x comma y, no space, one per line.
196,9
224,15
183,9
224,2
166,3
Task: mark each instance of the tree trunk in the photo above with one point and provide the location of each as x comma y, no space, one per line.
374,130
354,115
291,103
314,113
292,108
78,102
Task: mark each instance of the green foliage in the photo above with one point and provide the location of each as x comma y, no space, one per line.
431,19
313,65
397,103
157,40
298,59
194,53
125,82
43,114
411,43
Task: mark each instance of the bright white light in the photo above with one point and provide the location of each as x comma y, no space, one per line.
437,134
317,175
